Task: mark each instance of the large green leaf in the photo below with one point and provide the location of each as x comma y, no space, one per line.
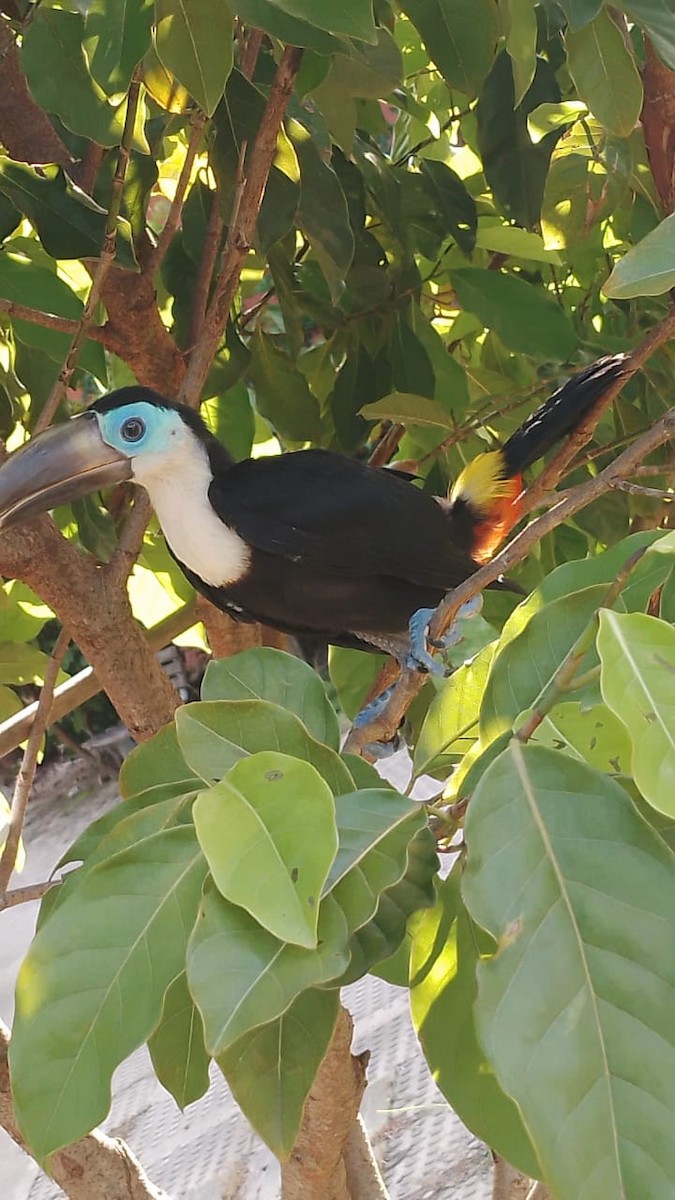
157,769
515,168
411,368
215,734
265,14
53,60
268,833
575,1008
593,734
455,204
525,318
271,1070
282,393
195,44
460,38
409,409
90,989
267,674
648,269
523,667
446,948
580,12
21,663
322,214
69,223
177,1046
605,74
242,977
520,21
351,17
450,726
116,36
29,283
638,664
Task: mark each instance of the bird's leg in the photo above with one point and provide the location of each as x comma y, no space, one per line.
419,658
416,658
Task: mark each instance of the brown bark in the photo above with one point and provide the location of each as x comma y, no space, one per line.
99,619
658,123
96,1167
316,1169
27,132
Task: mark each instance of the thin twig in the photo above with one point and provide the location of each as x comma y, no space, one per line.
249,57
242,225
387,445
22,895
96,333
176,211
105,262
636,489
29,763
214,234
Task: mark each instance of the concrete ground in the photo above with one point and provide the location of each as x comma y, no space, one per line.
209,1152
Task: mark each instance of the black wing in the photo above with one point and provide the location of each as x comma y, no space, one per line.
340,517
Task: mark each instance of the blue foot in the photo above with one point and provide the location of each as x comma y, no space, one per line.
373,710
419,658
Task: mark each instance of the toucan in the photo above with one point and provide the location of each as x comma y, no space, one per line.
311,542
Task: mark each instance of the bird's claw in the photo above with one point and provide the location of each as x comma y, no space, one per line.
419,658
374,710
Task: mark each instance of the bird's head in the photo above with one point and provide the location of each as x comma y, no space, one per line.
133,433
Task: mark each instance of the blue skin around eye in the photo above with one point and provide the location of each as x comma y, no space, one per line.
159,424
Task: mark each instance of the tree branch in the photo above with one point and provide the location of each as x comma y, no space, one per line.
176,210
96,333
96,1167
242,226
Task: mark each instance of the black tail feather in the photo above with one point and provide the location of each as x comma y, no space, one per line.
561,413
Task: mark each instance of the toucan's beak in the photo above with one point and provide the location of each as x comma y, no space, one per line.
64,462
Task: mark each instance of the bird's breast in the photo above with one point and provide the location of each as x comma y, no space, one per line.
196,534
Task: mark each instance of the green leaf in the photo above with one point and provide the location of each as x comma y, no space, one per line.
270,1071
648,269
354,18
381,937
409,410
323,215
575,1008
520,23
516,243
28,283
69,223
515,169
268,833
352,674
638,664
90,989
375,828
526,318
177,1046
592,734
215,734
460,39
9,703
580,12
368,72
656,16
525,664
53,60
282,393
267,674
242,977
455,204
116,36
411,367
446,948
605,74
450,726
157,770
265,14
548,117
195,44
21,663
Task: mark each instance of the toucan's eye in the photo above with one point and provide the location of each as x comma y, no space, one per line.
133,429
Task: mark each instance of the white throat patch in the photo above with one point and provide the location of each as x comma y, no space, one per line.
178,483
